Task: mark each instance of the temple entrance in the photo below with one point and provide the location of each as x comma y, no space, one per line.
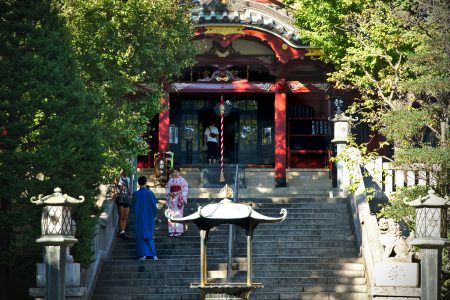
231,122
247,133
230,146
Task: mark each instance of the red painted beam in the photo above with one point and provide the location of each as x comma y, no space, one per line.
280,139
235,86
164,121
247,87
283,51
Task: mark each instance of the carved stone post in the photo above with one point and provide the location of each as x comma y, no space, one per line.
340,138
431,237
57,235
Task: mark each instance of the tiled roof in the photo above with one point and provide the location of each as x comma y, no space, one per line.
263,16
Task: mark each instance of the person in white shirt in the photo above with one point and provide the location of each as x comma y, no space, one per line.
212,142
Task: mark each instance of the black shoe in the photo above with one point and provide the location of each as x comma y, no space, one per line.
124,236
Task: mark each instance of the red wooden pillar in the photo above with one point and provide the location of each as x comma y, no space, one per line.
164,121
280,135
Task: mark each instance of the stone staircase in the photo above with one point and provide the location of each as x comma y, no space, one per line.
312,255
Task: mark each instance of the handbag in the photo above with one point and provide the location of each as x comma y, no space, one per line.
212,134
123,199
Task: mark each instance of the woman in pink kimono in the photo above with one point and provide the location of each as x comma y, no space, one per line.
176,195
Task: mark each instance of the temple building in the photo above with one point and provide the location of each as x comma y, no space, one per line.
277,101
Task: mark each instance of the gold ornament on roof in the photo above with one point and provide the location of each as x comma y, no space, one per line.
226,192
225,30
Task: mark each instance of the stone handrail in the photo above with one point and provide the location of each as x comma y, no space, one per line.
366,224
388,178
105,233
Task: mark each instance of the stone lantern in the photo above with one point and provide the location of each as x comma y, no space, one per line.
56,236
340,138
431,237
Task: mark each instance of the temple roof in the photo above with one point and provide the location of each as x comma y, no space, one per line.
227,212
267,17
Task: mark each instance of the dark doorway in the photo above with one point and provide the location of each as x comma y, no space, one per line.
248,134
229,138
230,123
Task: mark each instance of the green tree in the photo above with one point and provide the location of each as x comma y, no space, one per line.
78,82
49,133
127,51
430,87
396,55
382,49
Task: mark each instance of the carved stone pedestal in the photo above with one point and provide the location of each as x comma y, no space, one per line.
232,291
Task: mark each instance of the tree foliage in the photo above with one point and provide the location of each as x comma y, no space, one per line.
78,82
129,48
395,54
50,137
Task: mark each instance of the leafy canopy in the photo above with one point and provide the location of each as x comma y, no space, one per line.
395,54
78,82
126,51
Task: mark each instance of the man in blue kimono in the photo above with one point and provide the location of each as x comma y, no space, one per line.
144,206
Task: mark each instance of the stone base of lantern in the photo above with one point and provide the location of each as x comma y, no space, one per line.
73,290
234,291
72,293
71,278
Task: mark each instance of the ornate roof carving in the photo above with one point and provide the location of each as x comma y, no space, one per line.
267,17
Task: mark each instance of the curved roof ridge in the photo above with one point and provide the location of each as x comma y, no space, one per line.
248,13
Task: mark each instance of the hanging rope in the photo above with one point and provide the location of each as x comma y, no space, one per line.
222,112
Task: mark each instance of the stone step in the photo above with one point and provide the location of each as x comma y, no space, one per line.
271,198
180,274
294,266
194,243
126,290
293,216
285,233
292,213
317,191
265,200
191,239
303,182
275,207
275,227
257,245
311,254
254,296
138,267
188,295
263,295
318,252
256,260
242,198
267,281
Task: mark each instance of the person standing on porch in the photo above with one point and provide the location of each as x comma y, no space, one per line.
211,141
176,194
145,211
